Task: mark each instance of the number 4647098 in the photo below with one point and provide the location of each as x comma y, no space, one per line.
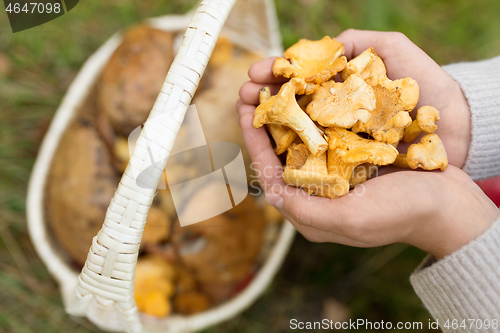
36,7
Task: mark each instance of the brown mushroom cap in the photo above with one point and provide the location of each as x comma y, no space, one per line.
282,109
132,78
367,65
429,154
342,104
314,61
394,100
347,150
313,175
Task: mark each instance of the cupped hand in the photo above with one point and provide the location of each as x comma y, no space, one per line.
436,211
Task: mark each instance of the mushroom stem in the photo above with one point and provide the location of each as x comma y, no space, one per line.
283,109
426,119
264,94
401,161
283,137
314,178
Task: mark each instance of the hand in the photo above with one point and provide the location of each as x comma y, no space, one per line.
438,212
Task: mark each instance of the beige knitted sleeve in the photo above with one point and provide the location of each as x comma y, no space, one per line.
480,82
466,284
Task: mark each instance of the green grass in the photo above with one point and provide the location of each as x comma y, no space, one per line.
372,283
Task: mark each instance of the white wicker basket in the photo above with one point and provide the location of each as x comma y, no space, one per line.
103,291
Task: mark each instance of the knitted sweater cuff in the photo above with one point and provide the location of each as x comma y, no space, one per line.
465,284
480,83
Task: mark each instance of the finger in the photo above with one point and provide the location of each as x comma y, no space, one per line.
262,72
249,91
311,211
385,170
356,215
245,108
401,56
356,41
321,236
265,163
311,232
239,104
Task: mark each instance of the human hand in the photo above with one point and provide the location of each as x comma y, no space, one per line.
413,207
436,211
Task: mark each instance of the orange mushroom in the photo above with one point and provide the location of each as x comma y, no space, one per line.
313,61
395,99
342,104
282,109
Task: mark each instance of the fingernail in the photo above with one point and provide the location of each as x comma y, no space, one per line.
274,200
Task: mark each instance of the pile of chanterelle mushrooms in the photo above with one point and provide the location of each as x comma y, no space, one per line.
336,133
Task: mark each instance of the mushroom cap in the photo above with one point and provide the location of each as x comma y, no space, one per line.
367,65
153,285
342,104
376,68
429,154
314,61
297,155
350,148
426,119
312,176
282,109
392,98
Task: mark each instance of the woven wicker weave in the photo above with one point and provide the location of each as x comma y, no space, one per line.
103,292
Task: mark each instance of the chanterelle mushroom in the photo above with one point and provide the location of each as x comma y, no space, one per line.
283,136
367,65
426,119
282,109
401,161
342,104
429,154
313,174
390,117
314,61
347,150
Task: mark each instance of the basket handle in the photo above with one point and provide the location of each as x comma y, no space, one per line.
106,284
